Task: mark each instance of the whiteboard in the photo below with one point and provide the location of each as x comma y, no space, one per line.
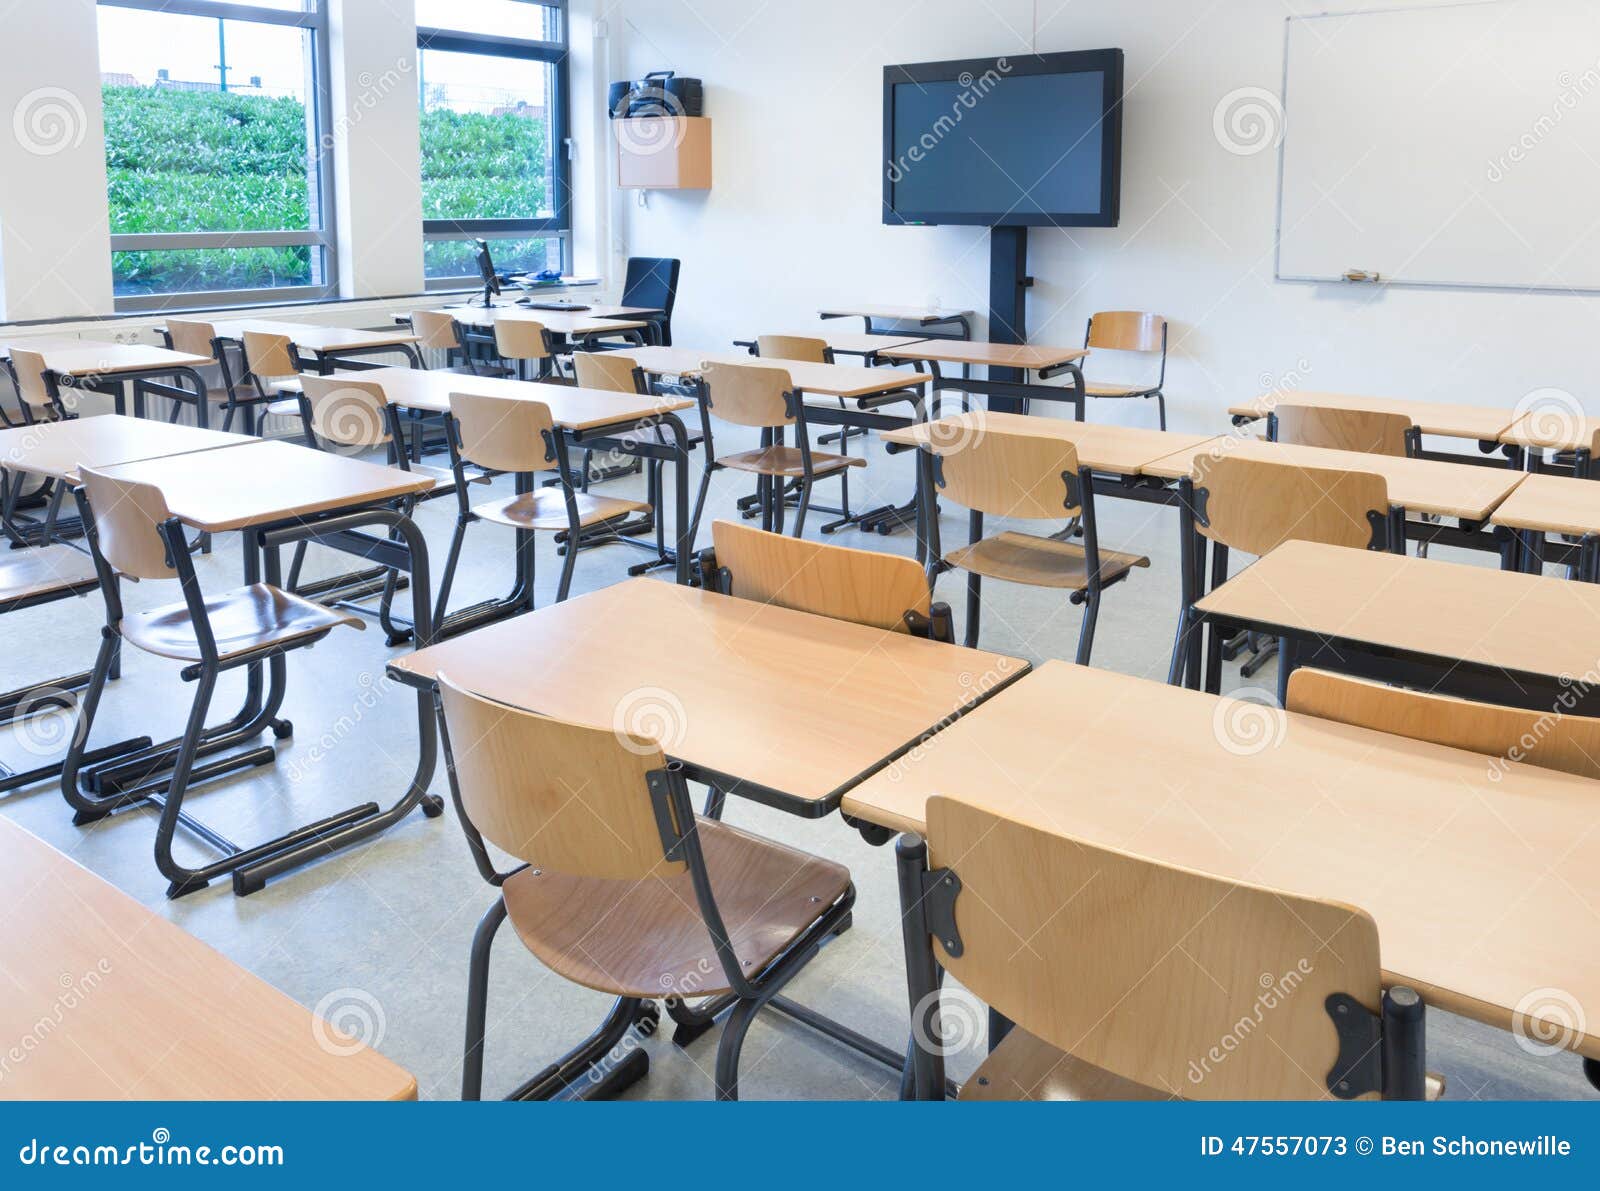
1455,145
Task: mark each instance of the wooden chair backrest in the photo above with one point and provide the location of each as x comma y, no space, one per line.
29,367
346,411
1255,505
504,433
611,371
1199,986
1008,475
748,394
560,796
1126,331
1566,743
1343,429
520,339
434,330
801,348
191,336
863,586
127,520
269,356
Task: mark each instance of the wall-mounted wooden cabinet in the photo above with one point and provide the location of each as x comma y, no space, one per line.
663,153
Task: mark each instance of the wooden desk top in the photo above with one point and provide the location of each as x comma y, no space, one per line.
850,343
815,380
58,449
1479,887
313,338
798,703
1432,417
1027,356
557,322
1420,485
1512,621
262,482
903,314
1120,450
89,357
137,1009
1555,431
571,408
1552,504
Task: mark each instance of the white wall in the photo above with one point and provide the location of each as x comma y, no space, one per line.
53,223
793,220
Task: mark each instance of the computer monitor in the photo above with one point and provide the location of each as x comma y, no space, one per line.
491,279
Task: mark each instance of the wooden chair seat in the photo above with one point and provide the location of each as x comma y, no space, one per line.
285,407
1102,389
1039,562
1023,1067
646,938
242,620
546,508
44,570
443,477
787,461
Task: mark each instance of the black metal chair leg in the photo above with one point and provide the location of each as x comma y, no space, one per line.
1091,610
478,1000
1161,409
729,1046
805,505
442,600
183,880
974,604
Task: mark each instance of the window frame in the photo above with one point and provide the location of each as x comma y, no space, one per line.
559,225
320,96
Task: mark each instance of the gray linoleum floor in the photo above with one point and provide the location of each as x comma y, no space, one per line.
377,938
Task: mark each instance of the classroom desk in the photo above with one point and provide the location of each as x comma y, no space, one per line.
924,316
141,1010
779,706
279,495
1456,490
867,345
1492,635
1546,504
581,325
1480,888
1557,430
645,425
327,346
1021,358
55,450
109,368
1446,420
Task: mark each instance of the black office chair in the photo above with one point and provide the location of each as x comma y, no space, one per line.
652,282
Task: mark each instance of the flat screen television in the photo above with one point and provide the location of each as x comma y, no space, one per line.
1029,140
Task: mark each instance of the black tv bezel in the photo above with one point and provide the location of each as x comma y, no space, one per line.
1108,62
486,269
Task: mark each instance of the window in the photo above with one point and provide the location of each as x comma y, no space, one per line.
492,84
216,127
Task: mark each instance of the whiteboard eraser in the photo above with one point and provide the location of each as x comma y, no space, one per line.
1361,275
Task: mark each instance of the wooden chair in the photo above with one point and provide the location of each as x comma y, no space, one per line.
1128,979
1255,505
1129,331
885,591
612,372
199,338
131,532
1566,743
39,398
622,887
436,331
1033,479
523,341
269,360
760,397
512,435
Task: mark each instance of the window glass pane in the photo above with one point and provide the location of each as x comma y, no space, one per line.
458,258
498,18
187,270
206,124
487,149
